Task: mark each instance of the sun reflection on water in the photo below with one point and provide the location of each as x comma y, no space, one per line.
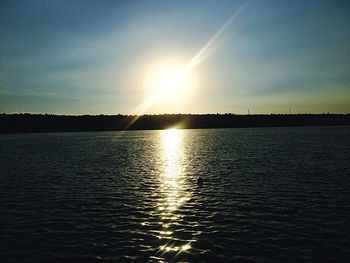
173,191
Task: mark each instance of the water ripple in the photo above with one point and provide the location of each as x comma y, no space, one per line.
274,194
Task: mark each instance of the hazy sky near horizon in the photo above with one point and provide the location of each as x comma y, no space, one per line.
96,57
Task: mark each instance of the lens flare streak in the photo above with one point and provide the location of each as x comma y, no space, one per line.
198,58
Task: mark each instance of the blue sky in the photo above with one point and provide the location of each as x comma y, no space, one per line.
92,57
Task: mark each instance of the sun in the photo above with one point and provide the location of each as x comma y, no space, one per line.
168,82
170,85
166,77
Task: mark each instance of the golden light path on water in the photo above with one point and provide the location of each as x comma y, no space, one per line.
172,187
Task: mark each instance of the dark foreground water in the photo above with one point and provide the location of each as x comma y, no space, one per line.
269,194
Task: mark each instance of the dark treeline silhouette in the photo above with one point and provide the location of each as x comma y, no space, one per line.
11,123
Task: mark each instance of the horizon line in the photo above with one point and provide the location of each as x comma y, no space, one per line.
159,114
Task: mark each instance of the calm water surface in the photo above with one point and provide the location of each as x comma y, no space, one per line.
269,194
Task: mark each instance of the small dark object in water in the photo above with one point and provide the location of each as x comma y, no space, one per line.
200,181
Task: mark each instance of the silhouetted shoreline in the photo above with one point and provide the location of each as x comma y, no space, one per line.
24,122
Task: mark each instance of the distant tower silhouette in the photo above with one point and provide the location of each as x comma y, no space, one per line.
290,111
248,112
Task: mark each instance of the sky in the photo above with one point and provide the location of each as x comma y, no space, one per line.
192,56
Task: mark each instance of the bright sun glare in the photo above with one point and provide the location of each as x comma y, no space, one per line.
169,84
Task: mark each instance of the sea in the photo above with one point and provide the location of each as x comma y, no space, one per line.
201,195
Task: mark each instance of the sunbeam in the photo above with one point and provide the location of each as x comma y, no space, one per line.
169,83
